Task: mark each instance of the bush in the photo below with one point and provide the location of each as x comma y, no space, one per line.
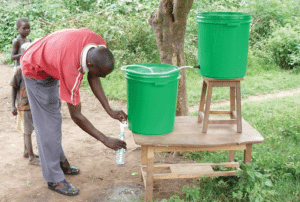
284,44
268,12
76,5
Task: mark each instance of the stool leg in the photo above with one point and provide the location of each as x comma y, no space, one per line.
202,101
238,108
150,170
207,108
232,101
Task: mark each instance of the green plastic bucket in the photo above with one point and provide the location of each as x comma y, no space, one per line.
223,39
152,97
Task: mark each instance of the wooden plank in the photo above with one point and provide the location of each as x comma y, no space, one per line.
157,167
207,108
195,170
149,175
165,176
188,133
203,148
222,80
247,153
229,121
224,164
223,84
184,169
218,112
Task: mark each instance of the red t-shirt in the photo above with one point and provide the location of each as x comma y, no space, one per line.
58,55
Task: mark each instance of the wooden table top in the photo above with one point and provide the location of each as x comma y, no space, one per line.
188,133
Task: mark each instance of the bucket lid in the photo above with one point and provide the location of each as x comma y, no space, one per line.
223,16
151,69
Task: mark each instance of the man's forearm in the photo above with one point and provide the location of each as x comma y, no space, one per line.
96,87
88,127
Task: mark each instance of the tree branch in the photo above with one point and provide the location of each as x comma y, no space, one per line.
49,23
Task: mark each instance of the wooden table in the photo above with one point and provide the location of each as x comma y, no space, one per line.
187,136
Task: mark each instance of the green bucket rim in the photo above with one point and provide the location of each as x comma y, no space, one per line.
223,17
147,70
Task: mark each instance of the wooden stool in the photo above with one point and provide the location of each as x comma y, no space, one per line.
235,97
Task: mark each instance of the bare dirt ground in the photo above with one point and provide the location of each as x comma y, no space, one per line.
23,182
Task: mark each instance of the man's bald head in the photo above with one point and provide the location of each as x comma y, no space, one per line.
101,57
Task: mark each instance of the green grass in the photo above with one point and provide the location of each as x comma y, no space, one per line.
274,172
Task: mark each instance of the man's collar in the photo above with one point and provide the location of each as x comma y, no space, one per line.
84,53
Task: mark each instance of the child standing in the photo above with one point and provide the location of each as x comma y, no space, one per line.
23,27
24,119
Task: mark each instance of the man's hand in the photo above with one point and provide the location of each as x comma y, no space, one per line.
114,143
87,126
118,114
14,111
96,87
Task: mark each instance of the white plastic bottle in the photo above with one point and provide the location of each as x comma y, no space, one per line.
120,153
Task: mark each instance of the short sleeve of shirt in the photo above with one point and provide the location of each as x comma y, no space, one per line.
16,79
69,88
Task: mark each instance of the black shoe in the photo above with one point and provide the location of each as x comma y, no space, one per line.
68,189
68,169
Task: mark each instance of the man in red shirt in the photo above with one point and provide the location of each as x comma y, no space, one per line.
59,60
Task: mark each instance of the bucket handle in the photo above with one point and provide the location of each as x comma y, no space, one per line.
124,68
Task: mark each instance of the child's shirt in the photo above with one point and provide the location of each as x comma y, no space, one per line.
59,55
18,83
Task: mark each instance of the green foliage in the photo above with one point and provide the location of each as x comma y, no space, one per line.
284,44
268,12
77,5
252,184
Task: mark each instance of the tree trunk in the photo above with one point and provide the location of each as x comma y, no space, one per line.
169,25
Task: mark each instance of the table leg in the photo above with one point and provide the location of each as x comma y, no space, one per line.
231,156
143,158
247,153
149,175
143,155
